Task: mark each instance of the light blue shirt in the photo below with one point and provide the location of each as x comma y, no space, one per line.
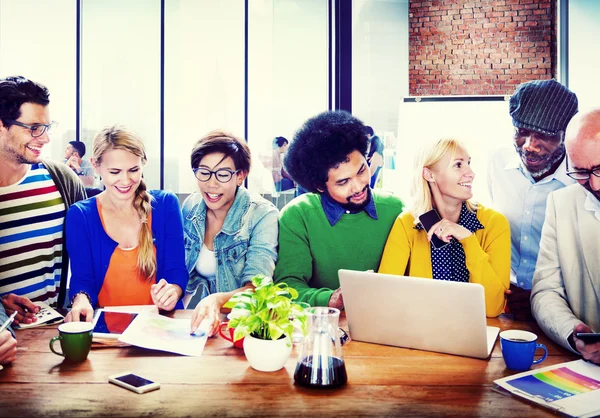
523,201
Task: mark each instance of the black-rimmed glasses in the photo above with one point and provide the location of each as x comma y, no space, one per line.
223,175
582,174
36,129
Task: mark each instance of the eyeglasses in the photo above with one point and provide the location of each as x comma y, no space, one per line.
37,129
223,175
582,174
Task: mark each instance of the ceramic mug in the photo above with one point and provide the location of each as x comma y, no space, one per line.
518,349
75,340
238,343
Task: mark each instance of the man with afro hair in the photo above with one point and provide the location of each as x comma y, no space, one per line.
341,222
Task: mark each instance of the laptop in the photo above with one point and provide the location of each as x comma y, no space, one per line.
433,315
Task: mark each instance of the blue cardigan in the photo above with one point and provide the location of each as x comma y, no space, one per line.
90,248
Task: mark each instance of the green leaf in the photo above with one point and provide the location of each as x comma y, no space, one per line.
265,311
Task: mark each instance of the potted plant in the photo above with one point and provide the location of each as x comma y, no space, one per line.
265,317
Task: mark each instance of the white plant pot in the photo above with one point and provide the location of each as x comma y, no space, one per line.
267,355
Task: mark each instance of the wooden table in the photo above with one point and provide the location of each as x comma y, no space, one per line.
381,381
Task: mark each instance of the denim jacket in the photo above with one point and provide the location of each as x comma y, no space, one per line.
245,246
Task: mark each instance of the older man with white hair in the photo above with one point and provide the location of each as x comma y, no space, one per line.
565,297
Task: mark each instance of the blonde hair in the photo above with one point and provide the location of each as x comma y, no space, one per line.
121,138
429,155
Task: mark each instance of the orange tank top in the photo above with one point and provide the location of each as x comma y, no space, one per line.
123,282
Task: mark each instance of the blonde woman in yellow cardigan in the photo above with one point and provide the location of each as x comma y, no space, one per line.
478,237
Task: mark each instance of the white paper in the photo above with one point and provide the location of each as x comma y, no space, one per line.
158,332
577,396
132,309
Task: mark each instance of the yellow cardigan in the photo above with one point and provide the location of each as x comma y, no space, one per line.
407,252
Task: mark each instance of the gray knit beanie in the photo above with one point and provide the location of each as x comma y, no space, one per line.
544,106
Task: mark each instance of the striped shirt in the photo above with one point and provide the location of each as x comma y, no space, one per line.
32,214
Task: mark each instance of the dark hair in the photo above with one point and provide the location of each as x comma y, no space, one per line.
369,130
280,141
16,90
79,147
322,143
225,142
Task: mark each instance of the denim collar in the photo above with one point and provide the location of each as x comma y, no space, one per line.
334,212
233,220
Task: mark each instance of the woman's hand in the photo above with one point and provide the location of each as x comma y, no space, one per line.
8,348
165,295
81,306
209,308
446,230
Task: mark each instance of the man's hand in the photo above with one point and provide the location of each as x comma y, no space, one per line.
74,164
518,303
25,308
8,347
589,351
336,300
165,295
81,306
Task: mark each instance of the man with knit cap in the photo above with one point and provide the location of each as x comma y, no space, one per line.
519,183
342,223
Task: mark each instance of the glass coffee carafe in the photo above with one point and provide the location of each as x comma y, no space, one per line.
320,361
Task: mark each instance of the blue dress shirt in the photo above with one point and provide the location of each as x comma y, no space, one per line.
523,201
334,212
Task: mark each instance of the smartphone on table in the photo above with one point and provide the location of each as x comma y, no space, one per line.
428,219
133,382
588,337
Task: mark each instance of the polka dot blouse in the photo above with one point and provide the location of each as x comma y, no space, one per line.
449,262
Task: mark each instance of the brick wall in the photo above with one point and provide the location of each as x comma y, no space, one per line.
460,47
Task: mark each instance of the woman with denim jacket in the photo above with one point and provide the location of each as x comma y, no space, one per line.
230,234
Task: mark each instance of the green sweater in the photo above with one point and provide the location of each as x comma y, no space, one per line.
311,251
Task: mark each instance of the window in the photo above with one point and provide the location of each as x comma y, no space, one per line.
287,78
204,80
44,54
121,73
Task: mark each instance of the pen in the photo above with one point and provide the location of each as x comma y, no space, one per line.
8,321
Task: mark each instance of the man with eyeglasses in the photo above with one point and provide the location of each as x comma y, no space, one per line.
519,182
566,285
342,224
34,196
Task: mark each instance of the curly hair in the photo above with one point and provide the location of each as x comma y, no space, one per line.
322,143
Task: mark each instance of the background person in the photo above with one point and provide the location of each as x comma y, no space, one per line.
230,234
126,243
478,237
375,155
34,196
281,178
519,182
74,160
